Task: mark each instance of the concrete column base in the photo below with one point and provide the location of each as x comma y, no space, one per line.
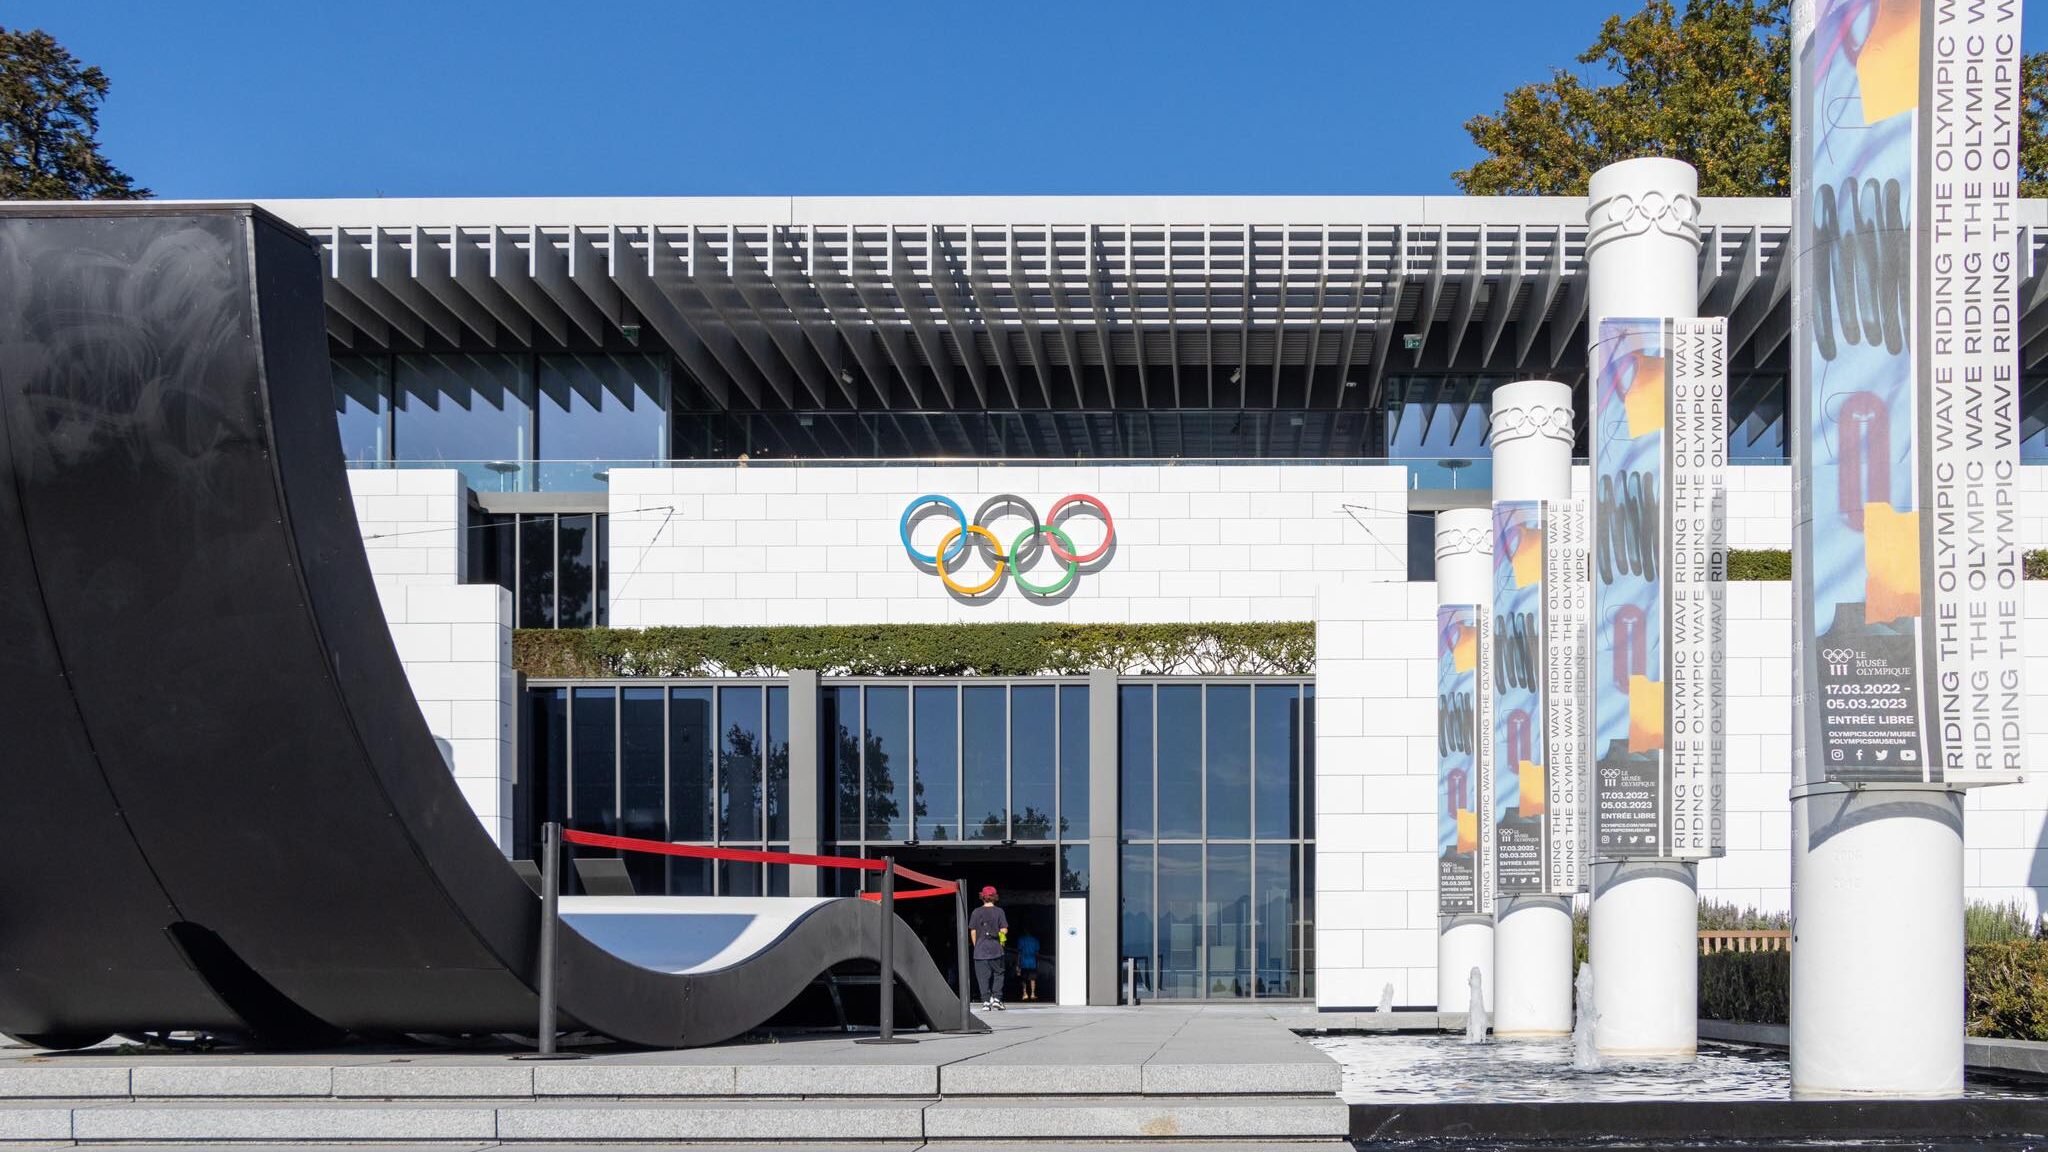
1877,940
1644,946
1532,967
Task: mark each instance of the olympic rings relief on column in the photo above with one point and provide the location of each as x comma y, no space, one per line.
976,534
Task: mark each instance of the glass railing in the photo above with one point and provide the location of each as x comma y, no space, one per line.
523,475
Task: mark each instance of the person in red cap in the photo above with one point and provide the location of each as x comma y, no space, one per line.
988,930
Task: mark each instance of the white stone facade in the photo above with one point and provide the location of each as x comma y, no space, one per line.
822,545
454,638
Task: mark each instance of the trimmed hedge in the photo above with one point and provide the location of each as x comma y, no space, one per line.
1752,987
2006,985
1759,564
2034,564
1282,649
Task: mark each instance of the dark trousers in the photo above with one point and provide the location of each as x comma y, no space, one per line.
988,976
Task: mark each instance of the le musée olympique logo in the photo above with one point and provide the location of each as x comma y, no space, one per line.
1039,538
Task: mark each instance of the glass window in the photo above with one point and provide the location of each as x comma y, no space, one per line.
1033,744
1074,761
689,877
643,799
1274,905
984,740
1227,912
1180,764
887,757
838,727
594,789
739,766
739,878
1074,870
603,408
937,785
778,764
458,407
690,771
1277,728
1135,895
536,571
576,544
1180,920
1134,759
604,568
1229,760
545,782
362,408
1308,764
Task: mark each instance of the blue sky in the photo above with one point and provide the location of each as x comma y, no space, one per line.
644,97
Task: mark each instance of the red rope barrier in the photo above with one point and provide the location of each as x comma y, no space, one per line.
756,856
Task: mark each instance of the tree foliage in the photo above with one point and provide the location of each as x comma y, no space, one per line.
1706,81
49,123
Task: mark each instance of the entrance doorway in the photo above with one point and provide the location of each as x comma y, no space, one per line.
1026,879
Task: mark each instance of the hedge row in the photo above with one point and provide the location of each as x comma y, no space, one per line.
1776,564
1283,649
2006,984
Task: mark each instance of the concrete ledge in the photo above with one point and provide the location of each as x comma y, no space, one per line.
450,1081
1293,1078
1733,1032
35,1122
836,1080
975,1078
1126,1119
1373,1021
57,1082
728,1120
226,1080
282,1121
559,1080
2029,1057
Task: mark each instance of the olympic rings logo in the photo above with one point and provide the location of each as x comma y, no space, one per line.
976,533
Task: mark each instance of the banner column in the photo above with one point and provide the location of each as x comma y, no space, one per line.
1531,433
1464,580
1642,256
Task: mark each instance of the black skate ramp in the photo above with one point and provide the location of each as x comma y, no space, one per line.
223,808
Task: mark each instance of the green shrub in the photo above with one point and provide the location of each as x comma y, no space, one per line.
2035,564
1282,649
2008,989
1751,987
1718,917
1759,564
1998,923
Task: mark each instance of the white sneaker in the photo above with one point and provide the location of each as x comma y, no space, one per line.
998,1005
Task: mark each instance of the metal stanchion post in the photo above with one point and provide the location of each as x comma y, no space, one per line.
886,986
962,954
550,925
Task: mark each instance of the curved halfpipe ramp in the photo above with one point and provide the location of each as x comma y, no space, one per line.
224,810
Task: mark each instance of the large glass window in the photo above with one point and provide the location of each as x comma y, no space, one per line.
887,763
553,563
1074,761
1033,744
658,762
938,763
457,407
362,408
1135,936
1230,763
984,747
839,726
602,408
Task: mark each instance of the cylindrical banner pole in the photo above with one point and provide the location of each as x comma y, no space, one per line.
550,922
1532,431
1642,268
1464,573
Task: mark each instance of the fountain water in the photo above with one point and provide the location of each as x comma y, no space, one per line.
1475,1013
1585,1058
1386,999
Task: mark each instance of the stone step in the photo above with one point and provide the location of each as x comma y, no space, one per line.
996,1074
866,1121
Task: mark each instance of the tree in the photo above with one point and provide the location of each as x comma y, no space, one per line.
1709,84
49,120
